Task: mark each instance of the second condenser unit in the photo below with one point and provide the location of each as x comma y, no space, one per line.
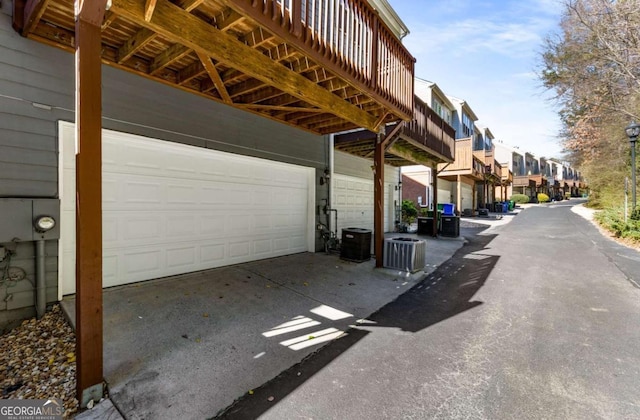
356,244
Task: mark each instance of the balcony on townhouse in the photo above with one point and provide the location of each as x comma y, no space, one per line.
324,66
506,180
425,140
493,169
466,163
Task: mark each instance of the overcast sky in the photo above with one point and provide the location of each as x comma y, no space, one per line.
487,52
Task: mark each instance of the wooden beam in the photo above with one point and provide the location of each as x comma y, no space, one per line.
144,36
89,344
279,108
109,18
190,5
134,44
167,57
17,13
149,7
215,77
190,72
33,11
174,23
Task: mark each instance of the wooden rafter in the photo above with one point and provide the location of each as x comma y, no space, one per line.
149,7
144,36
190,72
174,23
134,44
109,18
167,57
215,77
279,108
33,12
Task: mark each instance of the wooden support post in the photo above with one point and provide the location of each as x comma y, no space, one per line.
378,191
89,201
459,193
474,197
434,224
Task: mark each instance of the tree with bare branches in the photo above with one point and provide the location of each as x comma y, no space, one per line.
593,65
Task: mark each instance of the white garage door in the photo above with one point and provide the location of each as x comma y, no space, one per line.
171,209
353,198
467,197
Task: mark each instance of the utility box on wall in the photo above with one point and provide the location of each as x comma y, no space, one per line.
17,216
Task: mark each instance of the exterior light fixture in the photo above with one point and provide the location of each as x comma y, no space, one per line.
44,223
633,131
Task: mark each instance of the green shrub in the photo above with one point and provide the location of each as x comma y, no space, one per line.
409,211
612,219
520,198
543,198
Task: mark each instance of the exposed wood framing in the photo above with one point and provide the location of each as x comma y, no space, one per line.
33,11
134,44
149,7
168,56
144,36
279,108
109,18
215,77
174,23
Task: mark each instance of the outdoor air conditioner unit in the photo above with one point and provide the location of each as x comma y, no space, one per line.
406,254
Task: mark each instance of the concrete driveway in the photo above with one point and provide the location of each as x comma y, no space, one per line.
187,346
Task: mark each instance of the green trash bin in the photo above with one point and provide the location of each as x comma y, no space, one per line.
512,205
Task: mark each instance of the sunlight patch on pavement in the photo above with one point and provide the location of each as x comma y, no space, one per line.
330,313
295,325
308,340
476,257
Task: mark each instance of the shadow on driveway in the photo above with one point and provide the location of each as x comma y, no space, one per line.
445,293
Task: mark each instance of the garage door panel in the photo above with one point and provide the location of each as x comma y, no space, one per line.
180,257
110,272
143,261
180,226
143,191
239,249
111,232
212,253
170,209
354,200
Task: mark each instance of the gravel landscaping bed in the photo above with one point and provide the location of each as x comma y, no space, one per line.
37,361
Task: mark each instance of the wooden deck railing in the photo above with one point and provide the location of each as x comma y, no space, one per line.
347,37
430,130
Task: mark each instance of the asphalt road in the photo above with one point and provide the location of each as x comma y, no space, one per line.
536,319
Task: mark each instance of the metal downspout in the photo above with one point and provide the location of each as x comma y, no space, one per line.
41,290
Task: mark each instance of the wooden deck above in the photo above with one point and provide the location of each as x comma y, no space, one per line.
425,140
506,175
466,163
323,66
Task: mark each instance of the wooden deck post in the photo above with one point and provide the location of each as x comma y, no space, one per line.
378,192
459,193
89,200
434,224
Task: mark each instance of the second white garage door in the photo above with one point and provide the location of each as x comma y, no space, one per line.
353,198
169,208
